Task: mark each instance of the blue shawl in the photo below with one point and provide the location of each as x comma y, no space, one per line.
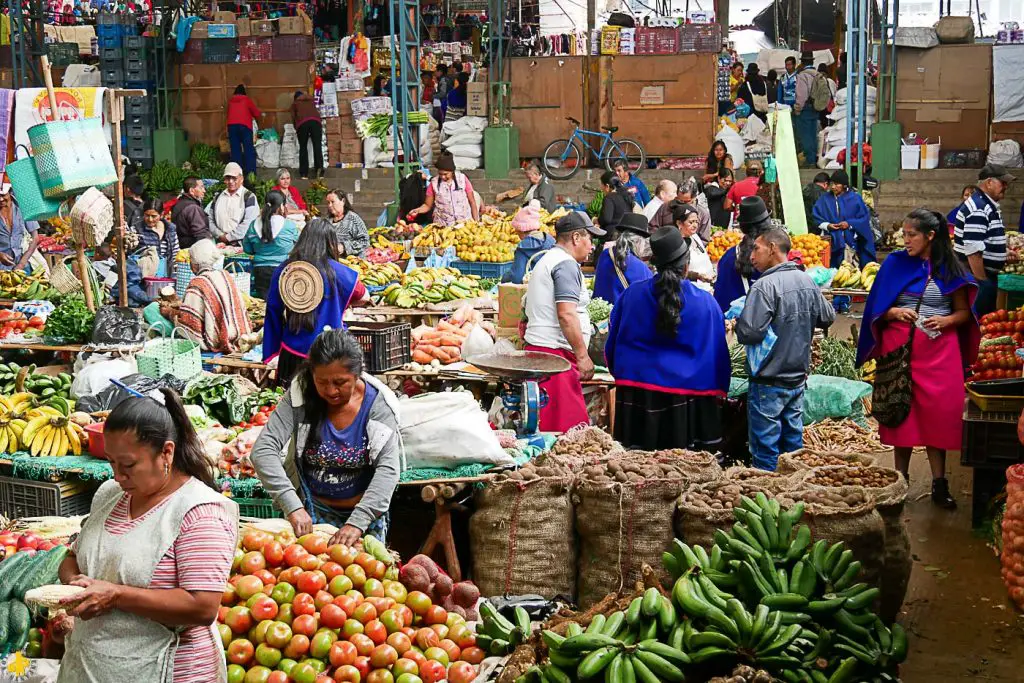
693,362
729,283
847,207
607,285
900,273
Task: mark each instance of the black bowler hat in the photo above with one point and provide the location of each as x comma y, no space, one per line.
668,246
635,222
753,211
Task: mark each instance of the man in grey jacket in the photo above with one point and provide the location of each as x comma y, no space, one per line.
785,300
234,208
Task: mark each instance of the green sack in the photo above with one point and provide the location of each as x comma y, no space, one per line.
833,397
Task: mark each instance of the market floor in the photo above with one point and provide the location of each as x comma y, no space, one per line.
962,626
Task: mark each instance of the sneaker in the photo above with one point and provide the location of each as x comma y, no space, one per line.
941,495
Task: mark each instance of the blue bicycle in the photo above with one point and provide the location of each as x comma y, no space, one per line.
563,158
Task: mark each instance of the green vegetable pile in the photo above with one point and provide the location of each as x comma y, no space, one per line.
163,177
264,397
219,396
71,322
762,596
378,125
599,310
594,208
835,358
315,195
205,161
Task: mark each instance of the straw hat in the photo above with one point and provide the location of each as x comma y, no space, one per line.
301,286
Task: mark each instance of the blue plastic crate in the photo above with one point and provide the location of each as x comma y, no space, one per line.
109,30
243,261
107,42
140,85
490,271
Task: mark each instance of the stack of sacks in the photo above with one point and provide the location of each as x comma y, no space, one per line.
377,156
832,140
464,139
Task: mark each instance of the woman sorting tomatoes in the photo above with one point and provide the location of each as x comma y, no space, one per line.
338,429
153,556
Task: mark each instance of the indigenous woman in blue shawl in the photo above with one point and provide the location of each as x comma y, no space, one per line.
926,291
620,265
843,215
735,269
666,349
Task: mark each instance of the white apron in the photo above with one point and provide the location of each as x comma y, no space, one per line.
119,646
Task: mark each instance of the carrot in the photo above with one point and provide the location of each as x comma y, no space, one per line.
419,356
431,334
431,342
454,351
445,326
451,340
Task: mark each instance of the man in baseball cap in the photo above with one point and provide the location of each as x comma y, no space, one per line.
233,209
557,320
979,236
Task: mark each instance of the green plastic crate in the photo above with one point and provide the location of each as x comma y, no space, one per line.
259,508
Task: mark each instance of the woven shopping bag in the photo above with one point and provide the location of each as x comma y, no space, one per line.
29,191
71,155
92,217
243,279
170,356
182,277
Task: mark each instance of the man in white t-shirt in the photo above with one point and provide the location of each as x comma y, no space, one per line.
558,323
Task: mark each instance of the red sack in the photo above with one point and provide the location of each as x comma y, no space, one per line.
1012,557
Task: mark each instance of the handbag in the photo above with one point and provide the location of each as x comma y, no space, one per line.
178,357
242,278
92,217
893,389
28,191
71,155
760,103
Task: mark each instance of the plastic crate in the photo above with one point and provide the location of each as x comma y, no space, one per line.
137,74
23,498
139,106
63,54
108,42
143,43
220,50
997,396
293,48
491,271
193,53
258,508
991,444
107,19
386,346
700,38
112,76
255,49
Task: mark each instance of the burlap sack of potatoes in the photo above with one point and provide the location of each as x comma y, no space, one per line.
700,467
770,481
622,526
856,522
521,535
696,521
797,461
580,447
897,560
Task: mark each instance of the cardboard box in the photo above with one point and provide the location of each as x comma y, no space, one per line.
222,31
476,99
510,304
200,30
332,126
346,150
222,17
263,27
290,26
243,28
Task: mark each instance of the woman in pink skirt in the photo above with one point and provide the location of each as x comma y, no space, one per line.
926,290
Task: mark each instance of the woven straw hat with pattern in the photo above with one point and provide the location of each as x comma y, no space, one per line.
301,286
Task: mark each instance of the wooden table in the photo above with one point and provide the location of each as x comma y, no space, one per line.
259,370
72,348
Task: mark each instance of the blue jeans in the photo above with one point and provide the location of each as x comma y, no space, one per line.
243,151
806,127
776,423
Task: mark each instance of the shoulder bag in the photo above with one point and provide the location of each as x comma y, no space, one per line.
893,388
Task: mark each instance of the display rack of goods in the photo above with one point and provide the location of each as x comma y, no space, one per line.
1014,253
306,611
17,285
722,241
814,250
848,277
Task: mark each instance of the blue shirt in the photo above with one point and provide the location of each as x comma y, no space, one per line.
339,465
528,247
12,236
638,190
608,285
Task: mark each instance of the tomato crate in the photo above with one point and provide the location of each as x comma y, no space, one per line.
386,346
990,438
23,498
997,396
258,508
255,49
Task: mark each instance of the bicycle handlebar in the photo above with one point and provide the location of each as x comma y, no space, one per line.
572,120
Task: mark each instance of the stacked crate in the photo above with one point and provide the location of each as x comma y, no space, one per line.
114,33
135,60
343,143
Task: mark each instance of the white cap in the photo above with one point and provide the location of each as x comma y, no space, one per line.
5,188
233,170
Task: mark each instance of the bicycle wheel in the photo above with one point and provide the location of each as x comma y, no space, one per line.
561,159
630,151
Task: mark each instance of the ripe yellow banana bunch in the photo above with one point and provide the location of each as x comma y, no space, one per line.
17,406
51,435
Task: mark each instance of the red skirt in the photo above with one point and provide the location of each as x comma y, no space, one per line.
565,408
937,404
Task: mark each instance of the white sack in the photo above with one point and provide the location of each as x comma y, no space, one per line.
448,429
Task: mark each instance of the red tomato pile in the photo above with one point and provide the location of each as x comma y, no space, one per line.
261,418
14,322
309,613
28,542
1002,333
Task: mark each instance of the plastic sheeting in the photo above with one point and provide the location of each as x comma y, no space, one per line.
1007,85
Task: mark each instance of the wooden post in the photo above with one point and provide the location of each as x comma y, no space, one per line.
116,117
83,263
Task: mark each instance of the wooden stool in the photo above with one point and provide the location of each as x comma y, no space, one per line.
441,533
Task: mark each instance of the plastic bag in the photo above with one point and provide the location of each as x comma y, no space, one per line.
109,398
733,144
116,325
833,397
1012,555
268,153
448,429
477,342
1005,153
736,308
821,275
96,376
443,260
289,157
757,354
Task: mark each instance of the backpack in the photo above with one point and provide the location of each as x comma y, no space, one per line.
821,92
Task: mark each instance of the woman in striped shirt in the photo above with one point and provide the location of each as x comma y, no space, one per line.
153,556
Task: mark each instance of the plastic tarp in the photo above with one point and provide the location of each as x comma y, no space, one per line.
1007,85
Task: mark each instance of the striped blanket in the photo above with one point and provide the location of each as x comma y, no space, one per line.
214,310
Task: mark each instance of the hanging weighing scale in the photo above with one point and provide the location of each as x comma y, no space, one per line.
520,374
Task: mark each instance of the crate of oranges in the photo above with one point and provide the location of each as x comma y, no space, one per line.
815,249
722,241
